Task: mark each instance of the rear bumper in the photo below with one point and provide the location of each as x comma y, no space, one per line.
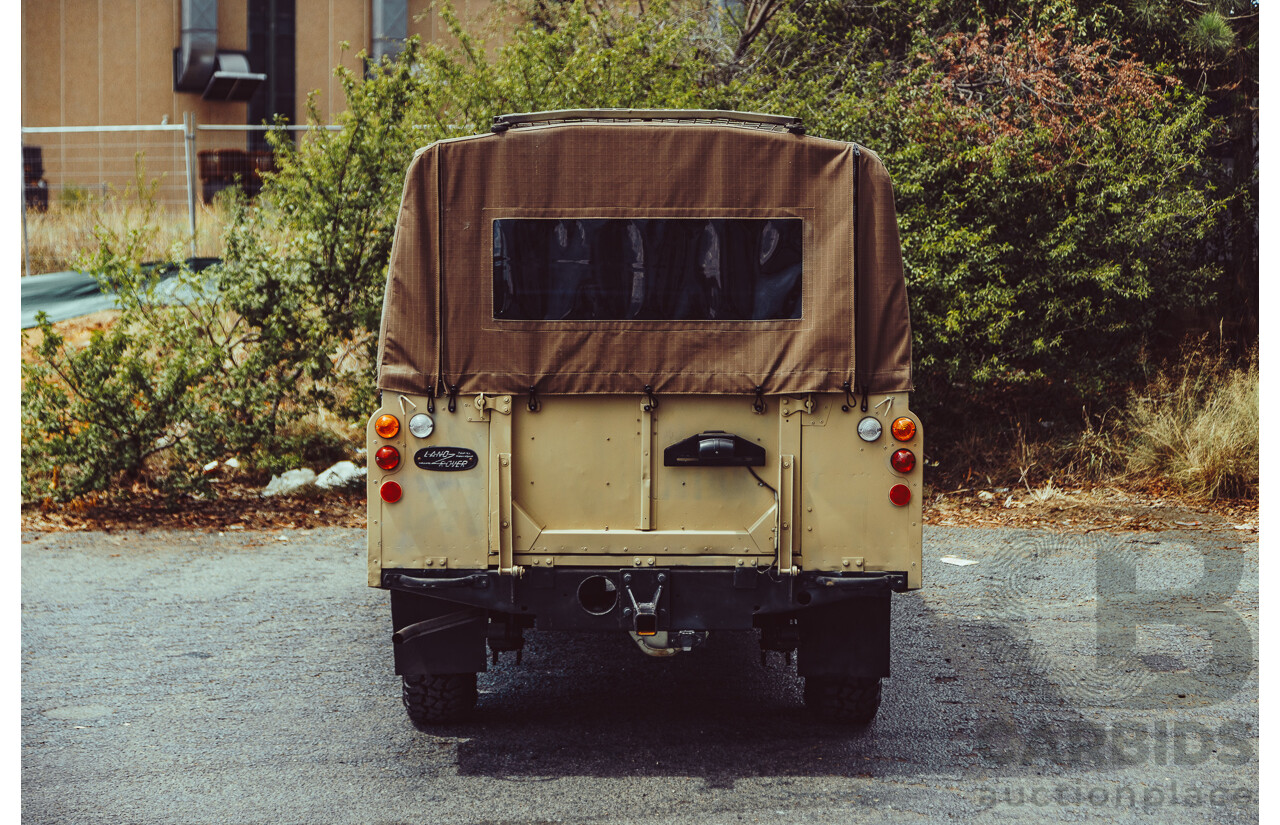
679,598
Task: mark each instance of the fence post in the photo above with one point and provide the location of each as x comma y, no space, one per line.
26,249
189,140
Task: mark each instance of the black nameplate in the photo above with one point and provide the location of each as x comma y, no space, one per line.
448,459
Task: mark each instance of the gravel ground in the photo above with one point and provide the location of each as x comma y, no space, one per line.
245,677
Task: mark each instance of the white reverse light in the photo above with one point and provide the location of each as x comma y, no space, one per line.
421,425
869,428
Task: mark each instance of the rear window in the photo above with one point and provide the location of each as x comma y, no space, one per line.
647,269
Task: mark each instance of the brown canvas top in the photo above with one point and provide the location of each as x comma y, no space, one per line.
439,324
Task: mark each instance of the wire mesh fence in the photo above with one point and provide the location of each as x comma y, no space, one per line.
80,181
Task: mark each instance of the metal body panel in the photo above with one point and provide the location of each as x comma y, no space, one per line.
577,482
442,515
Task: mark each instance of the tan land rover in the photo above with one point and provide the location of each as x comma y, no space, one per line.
645,372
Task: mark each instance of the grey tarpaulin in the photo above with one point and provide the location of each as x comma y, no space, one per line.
63,295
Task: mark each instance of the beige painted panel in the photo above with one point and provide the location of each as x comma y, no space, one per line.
318,50
41,63
80,64
846,512
118,61
577,479
233,25
442,514
712,498
577,462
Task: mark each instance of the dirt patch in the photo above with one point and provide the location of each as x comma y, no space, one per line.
236,507
1086,510
76,330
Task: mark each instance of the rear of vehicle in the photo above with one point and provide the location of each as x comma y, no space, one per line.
645,373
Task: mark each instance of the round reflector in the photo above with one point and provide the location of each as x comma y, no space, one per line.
387,426
898,494
390,492
869,429
904,461
388,458
904,429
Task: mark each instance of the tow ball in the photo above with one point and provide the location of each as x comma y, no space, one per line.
643,615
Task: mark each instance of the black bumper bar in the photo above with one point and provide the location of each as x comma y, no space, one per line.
681,598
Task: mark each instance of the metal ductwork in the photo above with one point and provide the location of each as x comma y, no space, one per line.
231,79
390,28
195,61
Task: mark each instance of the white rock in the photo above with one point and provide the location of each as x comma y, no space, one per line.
341,475
210,467
233,463
290,482
986,495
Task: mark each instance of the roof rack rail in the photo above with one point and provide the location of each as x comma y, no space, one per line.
502,123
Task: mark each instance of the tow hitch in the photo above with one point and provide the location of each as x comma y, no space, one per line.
643,615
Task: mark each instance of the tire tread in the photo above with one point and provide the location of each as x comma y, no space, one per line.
433,698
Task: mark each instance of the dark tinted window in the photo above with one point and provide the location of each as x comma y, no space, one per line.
610,269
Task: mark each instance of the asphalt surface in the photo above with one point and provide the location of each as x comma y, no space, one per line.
181,677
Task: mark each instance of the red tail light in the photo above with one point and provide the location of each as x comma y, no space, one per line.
904,461
900,495
388,458
390,492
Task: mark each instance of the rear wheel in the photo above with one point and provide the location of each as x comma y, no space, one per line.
431,699
851,700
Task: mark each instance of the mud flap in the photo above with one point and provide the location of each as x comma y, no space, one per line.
436,636
848,638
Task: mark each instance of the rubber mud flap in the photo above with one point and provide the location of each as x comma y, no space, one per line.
845,639
457,648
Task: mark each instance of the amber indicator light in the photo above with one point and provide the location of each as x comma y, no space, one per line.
904,429
387,426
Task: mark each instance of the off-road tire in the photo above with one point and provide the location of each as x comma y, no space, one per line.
845,699
431,699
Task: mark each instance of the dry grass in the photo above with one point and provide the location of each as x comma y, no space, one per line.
1196,428
58,238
